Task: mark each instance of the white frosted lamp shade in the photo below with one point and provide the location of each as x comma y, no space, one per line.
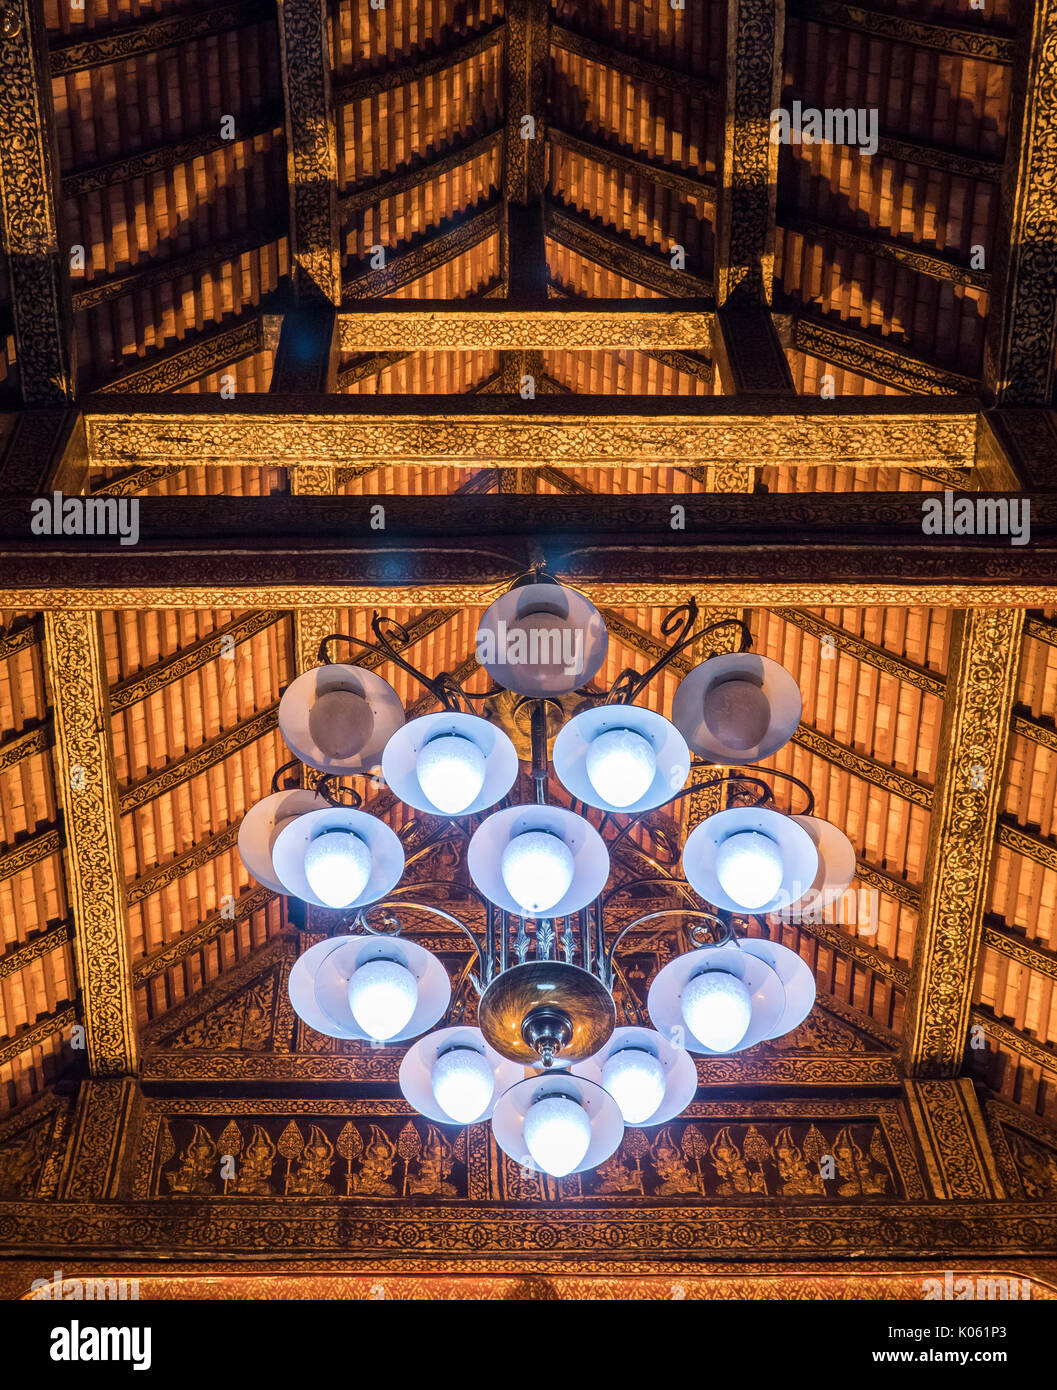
557,1134
621,766
737,713
636,1081
537,869
749,868
717,1008
337,866
341,722
463,1084
383,994
451,771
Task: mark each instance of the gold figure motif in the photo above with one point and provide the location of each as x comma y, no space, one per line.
1038,1170
616,1176
376,1166
256,1167
196,1164
797,1178
855,1167
731,1168
313,1167
672,1169
434,1166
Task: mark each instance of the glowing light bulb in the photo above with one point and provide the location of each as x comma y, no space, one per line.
337,867
749,868
621,766
463,1084
737,713
557,1134
451,771
383,994
717,1008
341,722
635,1080
537,868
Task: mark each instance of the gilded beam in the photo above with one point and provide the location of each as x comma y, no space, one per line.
630,163
981,690
749,357
954,1140
564,326
95,879
915,258
528,25
311,151
416,174
28,212
186,362
630,431
748,181
1022,320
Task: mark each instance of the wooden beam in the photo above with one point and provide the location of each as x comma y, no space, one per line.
117,45
302,552
186,361
631,164
417,174
36,268
311,151
430,251
148,682
86,787
945,268
947,161
306,361
876,358
748,182
981,690
749,357
162,159
525,96
621,431
691,85
150,274
567,325
619,254
1022,319
427,64
960,40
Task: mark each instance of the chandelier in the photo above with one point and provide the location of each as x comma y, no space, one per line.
546,1061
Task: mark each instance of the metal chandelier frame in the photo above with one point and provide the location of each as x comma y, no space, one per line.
579,938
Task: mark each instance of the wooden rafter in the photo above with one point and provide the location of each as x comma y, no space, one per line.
977,713
687,84
630,163
185,361
946,268
871,356
427,252
961,40
75,53
86,786
28,213
417,174
427,64
1022,320
619,254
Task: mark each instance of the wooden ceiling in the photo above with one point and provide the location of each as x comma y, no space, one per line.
179,169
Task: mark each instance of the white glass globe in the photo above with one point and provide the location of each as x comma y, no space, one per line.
337,866
717,1008
621,766
635,1079
557,1134
463,1084
749,868
537,868
451,771
383,994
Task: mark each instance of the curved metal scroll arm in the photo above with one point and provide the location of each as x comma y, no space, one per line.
630,683
392,926
723,937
